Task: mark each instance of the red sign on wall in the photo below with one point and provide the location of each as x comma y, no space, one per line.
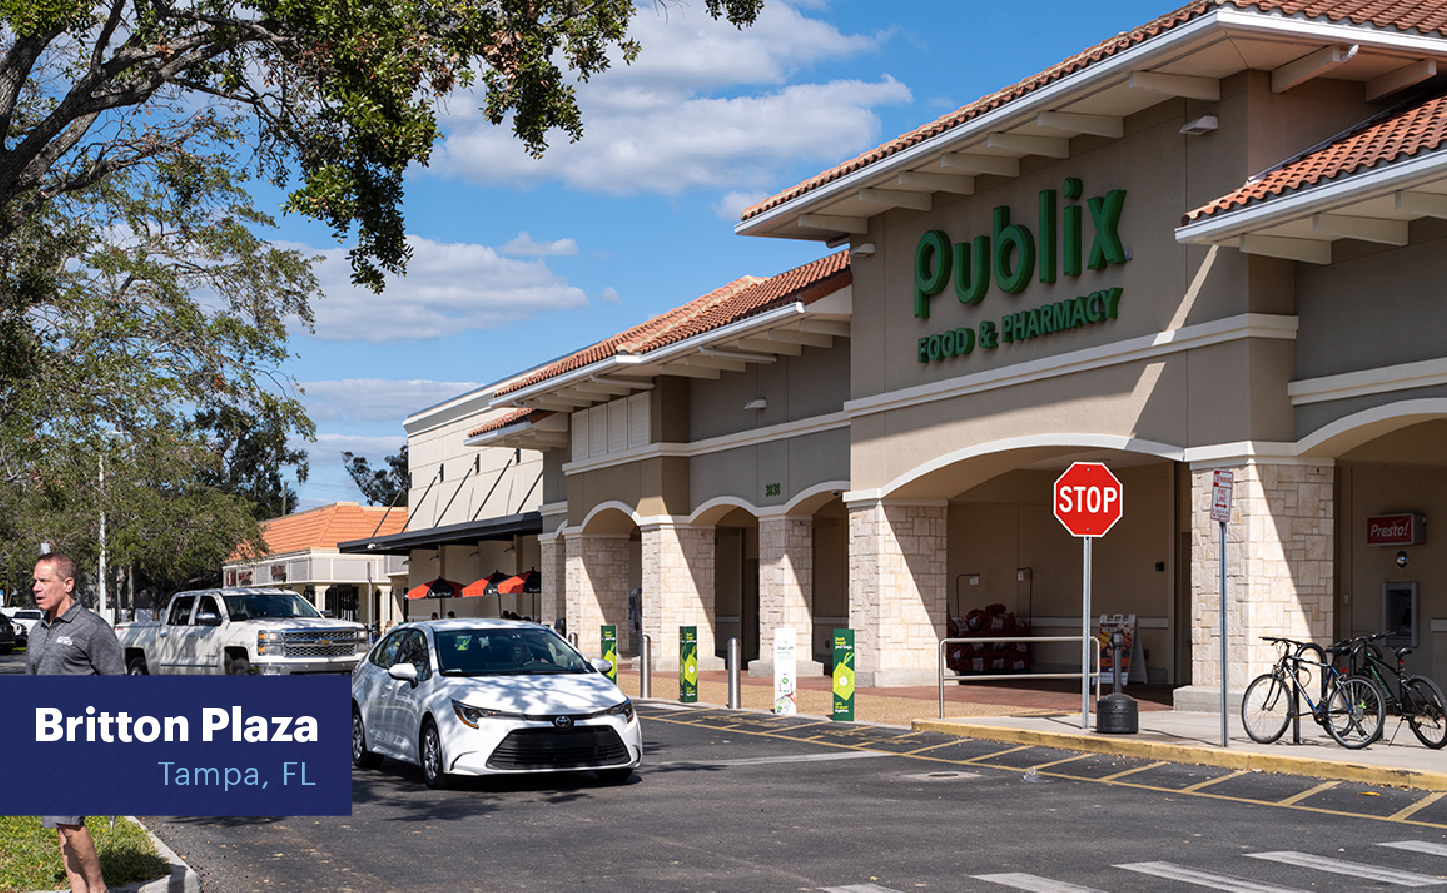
1401,529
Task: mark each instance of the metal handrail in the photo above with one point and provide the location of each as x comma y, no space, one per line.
1079,640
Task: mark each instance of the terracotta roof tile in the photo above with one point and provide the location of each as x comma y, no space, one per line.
625,342
511,418
740,299
1393,136
1423,16
323,528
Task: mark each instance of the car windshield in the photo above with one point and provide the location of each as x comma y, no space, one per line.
506,652
254,605
28,615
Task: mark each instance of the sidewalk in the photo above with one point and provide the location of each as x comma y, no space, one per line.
1046,713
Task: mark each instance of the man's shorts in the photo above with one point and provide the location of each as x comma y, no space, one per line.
55,821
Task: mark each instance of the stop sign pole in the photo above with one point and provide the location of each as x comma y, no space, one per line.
1087,500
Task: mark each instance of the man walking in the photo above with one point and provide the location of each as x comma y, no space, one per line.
71,641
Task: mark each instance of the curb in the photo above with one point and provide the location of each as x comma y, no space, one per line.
1203,756
182,879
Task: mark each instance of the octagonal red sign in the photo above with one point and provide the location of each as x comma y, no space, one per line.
1087,499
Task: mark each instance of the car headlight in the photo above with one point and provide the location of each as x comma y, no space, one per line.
470,716
270,642
624,710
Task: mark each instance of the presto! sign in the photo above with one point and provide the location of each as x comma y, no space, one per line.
1010,257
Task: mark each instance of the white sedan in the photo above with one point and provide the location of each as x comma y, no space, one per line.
490,697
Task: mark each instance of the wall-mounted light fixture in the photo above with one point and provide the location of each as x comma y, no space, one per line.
863,249
1203,124
760,403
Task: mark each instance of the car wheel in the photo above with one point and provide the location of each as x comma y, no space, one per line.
137,667
362,758
429,750
238,666
614,776
6,649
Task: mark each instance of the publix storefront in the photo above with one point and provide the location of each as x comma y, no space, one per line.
1212,243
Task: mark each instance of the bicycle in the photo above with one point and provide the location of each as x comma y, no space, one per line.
1350,708
1417,699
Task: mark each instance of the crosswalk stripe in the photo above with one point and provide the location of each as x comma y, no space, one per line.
1033,882
859,888
1352,869
1204,878
1419,846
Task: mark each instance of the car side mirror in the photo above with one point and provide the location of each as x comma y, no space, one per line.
602,665
405,672
208,619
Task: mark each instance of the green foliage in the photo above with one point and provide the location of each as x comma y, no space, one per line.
382,486
340,92
30,858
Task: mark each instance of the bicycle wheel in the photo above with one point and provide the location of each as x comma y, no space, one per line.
1266,708
1354,712
1428,716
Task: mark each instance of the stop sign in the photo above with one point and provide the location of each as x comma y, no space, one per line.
1087,499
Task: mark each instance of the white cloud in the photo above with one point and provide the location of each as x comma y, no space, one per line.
610,296
448,289
363,400
328,448
524,245
705,106
732,205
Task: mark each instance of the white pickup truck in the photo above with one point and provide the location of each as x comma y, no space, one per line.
238,632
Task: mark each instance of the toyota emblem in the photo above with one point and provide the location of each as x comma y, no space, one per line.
563,722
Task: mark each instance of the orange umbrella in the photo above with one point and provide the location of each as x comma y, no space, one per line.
528,582
488,585
438,588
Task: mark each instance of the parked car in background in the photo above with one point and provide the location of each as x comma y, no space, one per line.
22,634
239,632
490,697
7,635
26,617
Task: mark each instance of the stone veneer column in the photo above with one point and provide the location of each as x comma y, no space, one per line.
552,601
786,591
679,570
897,591
1279,573
597,592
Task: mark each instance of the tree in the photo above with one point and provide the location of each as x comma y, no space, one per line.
383,486
342,93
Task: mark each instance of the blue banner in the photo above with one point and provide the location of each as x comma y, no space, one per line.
177,745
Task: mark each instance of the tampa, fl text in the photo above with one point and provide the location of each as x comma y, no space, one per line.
51,724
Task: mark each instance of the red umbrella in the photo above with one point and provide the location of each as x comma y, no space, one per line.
438,588
486,586
532,581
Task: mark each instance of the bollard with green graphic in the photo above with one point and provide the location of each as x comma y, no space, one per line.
844,674
610,652
688,664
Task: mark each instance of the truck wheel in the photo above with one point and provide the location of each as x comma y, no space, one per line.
137,667
238,666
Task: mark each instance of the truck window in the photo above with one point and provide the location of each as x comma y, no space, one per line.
207,605
181,610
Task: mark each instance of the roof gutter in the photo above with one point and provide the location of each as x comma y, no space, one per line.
1421,168
1120,65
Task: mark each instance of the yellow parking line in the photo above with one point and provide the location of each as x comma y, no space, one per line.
1210,781
1131,771
1297,798
1420,804
1079,756
998,753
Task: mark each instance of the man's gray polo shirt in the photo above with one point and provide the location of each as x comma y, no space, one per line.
77,643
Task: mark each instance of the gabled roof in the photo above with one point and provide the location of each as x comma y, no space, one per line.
1419,16
744,297
325,527
1401,133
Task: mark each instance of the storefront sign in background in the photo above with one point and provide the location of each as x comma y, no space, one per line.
1401,529
844,674
177,745
688,664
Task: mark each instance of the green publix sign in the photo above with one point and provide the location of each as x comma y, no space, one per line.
1011,256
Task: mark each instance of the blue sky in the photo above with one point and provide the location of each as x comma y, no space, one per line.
518,261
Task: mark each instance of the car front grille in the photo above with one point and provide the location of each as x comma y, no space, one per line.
580,747
322,643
